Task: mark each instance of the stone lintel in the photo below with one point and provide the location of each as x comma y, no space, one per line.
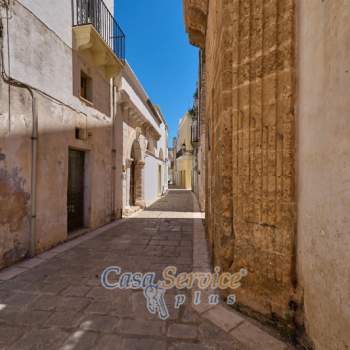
136,116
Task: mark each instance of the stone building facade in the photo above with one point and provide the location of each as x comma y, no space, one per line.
64,126
171,166
199,136
143,135
184,153
268,71
55,129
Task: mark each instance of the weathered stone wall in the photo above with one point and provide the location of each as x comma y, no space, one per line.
42,59
56,135
201,150
58,14
184,163
101,86
250,153
139,125
14,177
219,80
129,138
323,151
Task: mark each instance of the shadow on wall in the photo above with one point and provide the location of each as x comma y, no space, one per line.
60,131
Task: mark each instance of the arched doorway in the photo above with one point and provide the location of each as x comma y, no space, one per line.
136,176
132,178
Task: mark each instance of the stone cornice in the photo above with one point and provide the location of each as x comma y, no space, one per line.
196,13
135,115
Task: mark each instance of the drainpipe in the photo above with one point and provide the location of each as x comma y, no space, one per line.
114,151
13,82
34,176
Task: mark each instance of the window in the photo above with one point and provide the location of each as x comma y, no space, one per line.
85,87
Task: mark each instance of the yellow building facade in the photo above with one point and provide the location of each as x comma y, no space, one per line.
184,153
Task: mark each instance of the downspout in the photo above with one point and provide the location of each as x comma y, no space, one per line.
34,137
114,151
34,176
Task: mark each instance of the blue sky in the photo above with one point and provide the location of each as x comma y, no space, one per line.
157,49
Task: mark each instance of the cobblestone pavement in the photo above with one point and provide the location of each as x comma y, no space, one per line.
60,304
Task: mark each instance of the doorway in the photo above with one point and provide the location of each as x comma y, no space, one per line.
135,176
132,184
75,195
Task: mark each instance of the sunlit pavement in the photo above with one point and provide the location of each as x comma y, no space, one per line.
60,304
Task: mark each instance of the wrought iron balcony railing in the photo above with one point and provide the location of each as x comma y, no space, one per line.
96,13
195,132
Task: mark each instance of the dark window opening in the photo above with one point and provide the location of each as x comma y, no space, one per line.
85,87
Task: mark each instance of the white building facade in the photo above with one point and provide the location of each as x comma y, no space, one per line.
144,142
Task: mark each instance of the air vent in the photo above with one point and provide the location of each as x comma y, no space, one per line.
81,134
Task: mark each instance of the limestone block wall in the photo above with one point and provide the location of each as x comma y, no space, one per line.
277,116
251,147
203,134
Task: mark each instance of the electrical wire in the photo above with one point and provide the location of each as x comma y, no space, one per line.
14,82
4,75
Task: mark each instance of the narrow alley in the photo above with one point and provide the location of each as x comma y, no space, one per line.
56,301
174,175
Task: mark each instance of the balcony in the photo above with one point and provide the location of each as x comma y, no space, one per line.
195,133
97,35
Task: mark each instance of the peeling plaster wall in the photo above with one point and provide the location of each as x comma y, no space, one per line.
53,171
15,174
40,58
324,169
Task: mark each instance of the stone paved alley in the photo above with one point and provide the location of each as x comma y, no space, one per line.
57,301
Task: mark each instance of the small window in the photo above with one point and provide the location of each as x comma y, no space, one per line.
85,87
